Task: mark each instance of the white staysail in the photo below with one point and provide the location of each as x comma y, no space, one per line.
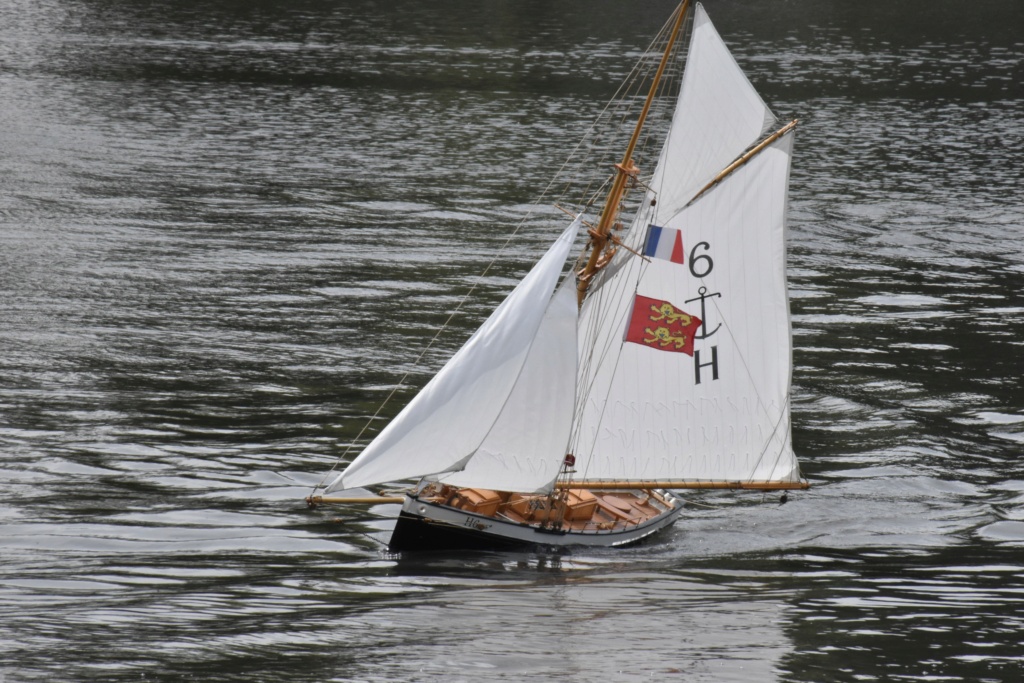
445,424
524,449
650,414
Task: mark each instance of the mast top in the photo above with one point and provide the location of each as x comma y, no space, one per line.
625,170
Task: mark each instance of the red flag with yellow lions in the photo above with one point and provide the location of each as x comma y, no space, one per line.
660,325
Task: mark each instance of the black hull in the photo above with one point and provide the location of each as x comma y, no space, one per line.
414,533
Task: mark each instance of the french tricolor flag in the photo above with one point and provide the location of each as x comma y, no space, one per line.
664,243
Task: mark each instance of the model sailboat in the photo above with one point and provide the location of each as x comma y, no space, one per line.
662,363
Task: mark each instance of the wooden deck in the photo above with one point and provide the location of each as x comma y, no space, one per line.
577,510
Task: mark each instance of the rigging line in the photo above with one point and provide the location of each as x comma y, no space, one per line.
628,241
611,287
620,99
598,193
782,447
602,289
768,441
671,84
603,128
605,287
595,323
637,79
605,157
599,318
664,106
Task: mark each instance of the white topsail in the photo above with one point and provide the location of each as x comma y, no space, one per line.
718,115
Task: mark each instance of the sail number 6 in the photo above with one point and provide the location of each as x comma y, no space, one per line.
702,262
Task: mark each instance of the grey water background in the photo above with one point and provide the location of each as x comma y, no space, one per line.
228,229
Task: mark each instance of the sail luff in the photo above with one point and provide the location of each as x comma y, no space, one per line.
525,445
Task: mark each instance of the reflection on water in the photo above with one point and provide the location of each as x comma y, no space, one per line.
226,231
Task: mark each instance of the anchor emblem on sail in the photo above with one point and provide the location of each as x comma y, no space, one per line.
703,296
674,331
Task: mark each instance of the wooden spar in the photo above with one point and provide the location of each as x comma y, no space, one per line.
625,170
313,501
633,485
744,159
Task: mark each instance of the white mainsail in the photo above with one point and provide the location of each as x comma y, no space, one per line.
446,423
642,413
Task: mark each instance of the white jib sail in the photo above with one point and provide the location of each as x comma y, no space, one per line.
452,415
722,414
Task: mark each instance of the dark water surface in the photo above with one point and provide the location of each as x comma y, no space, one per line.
227,229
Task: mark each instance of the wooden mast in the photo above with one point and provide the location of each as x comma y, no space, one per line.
624,171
